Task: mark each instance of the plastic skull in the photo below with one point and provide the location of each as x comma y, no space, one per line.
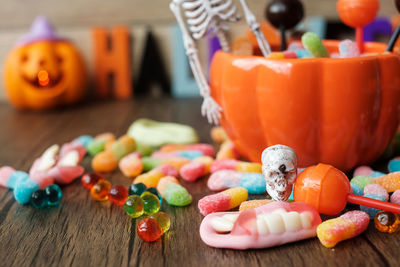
279,167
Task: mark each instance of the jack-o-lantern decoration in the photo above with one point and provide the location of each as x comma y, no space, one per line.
43,70
338,111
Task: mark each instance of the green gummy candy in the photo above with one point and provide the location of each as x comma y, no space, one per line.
155,134
150,163
361,181
120,149
95,147
145,150
177,195
313,44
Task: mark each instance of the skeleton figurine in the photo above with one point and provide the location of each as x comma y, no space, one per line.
279,166
203,16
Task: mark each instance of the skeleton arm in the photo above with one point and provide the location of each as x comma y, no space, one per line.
209,108
255,28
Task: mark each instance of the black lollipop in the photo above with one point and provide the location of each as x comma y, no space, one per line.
396,33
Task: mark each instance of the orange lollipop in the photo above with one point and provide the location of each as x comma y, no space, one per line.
357,14
328,190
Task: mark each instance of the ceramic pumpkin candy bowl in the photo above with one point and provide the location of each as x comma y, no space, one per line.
338,111
43,70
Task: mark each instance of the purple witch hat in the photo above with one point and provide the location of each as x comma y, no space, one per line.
41,30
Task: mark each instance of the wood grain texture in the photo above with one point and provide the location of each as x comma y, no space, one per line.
83,232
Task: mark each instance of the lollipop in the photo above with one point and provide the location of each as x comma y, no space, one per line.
284,15
357,14
396,32
328,189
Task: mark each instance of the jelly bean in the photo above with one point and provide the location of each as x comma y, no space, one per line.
347,226
227,151
107,160
53,194
313,44
154,191
221,180
372,211
205,149
395,197
84,140
118,194
231,164
151,203
100,190
197,168
100,143
137,189
88,180
150,163
348,49
162,219
174,193
375,189
252,204
131,165
134,206
394,165
149,230
222,201
218,135
151,178
386,222
39,199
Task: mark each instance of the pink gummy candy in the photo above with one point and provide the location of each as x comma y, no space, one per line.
376,189
214,203
363,171
168,170
359,218
192,171
5,173
223,164
206,149
348,48
218,180
395,197
74,145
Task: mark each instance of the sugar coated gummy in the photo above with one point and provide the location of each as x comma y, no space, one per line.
137,189
386,222
100,190
395,197
394,165
131,165
162,219
174,193
149,230
53,194
372,211
151,203
390,181
225,200
118,194
223,179
313,44
347,226
361,181
375,189
88,180
252,204
134,206
348,49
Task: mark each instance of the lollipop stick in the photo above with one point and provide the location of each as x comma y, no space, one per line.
359,38
393,39
373,203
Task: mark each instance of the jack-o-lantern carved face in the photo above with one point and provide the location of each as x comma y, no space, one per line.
44,74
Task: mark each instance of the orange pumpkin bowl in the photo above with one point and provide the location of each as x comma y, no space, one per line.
337,111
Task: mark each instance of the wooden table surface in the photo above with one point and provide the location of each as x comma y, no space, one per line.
83,232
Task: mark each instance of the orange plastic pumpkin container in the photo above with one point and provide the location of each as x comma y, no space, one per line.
44,71
342,112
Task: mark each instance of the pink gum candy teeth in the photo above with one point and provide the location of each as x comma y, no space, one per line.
273,224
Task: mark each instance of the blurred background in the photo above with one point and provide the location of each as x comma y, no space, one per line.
75,18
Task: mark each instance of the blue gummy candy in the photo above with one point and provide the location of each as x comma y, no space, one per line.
394,165
371,211
190,154
84,140
253,182
302,53
23,191
357,190
375,174
16,178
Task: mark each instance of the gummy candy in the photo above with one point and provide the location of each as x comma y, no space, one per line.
137,189
174,193
149,230
376,189
205,149
348,49
151,178
84,140
131,165
218,135
237,165
222,201
53,194
150,163
227,151
134,206
118,194
151,203
372,211
100,143
221,180
386,222
88,180
313,44
154,191
189,154
395,197
162,219
100,190
252,204
347,226
394,165
390,181
197,168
